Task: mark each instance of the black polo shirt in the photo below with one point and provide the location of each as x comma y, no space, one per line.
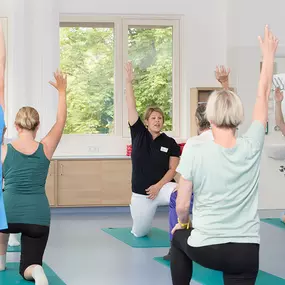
150,157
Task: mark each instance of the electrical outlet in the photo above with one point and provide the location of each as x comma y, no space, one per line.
93,149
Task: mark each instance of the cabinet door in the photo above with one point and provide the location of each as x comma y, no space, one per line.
116,182
79,183
50,184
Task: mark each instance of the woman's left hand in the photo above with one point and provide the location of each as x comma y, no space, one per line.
177,227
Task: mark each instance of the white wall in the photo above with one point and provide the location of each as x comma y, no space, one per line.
32,57
246,20
34,54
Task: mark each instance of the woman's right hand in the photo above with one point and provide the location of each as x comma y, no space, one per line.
129,72
278,95
60,82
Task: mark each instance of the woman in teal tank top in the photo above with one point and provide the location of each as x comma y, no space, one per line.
25,168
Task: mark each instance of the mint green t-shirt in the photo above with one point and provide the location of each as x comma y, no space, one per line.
225,187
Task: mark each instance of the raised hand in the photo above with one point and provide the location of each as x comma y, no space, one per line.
60,81
129,72
268,44
222,74
278,95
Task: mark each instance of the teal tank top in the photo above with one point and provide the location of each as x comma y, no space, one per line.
24,194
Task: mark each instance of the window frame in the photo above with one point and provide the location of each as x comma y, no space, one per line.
121,24
158,22
117,63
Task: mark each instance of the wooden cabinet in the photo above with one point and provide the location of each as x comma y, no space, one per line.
83,183
79,183
198,96
116,182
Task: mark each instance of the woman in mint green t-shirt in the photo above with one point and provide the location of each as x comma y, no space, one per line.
25,168
223,174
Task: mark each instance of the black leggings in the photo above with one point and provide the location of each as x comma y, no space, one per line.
33,243
239,262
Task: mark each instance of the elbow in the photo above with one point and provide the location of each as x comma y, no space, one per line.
182,209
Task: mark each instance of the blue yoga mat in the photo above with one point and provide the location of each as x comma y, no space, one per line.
156,237
274,222
11,276
207,276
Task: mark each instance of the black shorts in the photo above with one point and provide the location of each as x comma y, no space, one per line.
33,243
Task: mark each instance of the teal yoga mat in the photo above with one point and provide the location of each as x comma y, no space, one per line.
156,237
207,276
274,222
11,276
14,248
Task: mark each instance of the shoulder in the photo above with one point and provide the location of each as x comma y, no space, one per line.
137,124
138,129
168,139
254,137
200,139
170,142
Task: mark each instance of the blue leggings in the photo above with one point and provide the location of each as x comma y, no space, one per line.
172,212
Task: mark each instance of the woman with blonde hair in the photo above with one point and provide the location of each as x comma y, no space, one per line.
25,168
223,174
155,157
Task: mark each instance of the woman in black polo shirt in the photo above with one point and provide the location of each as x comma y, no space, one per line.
155,157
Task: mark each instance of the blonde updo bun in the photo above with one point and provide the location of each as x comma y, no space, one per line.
27,118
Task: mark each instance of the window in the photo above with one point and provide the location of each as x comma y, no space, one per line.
93,51
87,56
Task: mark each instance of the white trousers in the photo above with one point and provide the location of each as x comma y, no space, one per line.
143,209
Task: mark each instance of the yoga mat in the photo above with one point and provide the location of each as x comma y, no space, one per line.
11,276
156,237
200,274
207,276
274,222
14,248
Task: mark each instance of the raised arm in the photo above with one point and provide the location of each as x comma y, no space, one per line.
278,110
52,139
131,100
268,47
222,75
2,67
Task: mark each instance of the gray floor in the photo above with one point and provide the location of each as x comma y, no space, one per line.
80,253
